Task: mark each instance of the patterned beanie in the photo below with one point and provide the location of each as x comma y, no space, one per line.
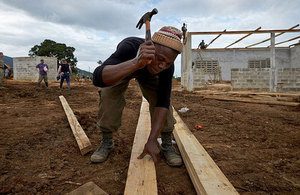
170,37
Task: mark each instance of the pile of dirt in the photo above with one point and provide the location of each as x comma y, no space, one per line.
255,145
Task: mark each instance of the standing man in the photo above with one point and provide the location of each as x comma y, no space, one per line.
42,69
2,65
184,29
64,71
152,64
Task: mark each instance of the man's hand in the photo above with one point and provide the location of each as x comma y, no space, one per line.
151,148
146,54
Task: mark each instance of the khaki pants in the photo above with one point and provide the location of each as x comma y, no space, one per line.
1,76
112,103
42,77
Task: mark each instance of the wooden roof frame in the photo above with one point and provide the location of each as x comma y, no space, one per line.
249,32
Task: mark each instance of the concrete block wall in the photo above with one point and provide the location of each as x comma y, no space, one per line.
199,78
250,78
184,79
239,58
24,68
259,79
289,79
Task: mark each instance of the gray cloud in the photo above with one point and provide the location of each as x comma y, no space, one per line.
109,16
95,27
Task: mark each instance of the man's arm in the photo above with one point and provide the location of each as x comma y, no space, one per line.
112,74
58,70
151,147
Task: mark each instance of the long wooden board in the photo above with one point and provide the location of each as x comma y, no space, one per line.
80,136
141,177
253,101
204,173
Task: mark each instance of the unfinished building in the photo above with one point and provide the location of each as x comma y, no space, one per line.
249,68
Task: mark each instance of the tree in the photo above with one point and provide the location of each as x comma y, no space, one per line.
99,62
52,49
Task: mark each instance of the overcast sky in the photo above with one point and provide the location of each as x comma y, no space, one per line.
95,27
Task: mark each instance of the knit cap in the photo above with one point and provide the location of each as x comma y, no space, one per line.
170,37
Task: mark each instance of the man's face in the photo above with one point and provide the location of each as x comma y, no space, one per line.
42,61
164,58
1,55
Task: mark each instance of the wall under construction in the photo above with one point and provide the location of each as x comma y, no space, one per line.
259,79
24,68
243,63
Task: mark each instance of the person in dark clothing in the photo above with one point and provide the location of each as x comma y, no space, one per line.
184,29
42,69
152,64
202,45
64,71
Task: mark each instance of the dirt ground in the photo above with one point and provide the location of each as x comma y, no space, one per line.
255,145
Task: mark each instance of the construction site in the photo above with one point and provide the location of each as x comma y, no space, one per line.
238,126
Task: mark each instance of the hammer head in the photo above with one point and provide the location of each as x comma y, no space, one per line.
146,17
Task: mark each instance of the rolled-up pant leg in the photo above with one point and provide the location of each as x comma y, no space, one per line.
111,106
149,90
40,80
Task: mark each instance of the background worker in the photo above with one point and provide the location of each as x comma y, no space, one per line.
64,72
152,64
42,69
7,70
1,69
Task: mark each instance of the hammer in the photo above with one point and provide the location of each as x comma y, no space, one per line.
146,18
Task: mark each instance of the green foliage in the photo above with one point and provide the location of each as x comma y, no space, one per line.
177,78
52,49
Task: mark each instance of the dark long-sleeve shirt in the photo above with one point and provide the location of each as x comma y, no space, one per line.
127,50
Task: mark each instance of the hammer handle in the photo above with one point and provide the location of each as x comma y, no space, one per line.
148,32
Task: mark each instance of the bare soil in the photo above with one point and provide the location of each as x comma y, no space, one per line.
255,145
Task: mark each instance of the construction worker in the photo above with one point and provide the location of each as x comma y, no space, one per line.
42,69
64,71
184,29
202,45
152,64
2,65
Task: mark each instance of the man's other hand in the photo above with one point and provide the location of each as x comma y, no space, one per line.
151,148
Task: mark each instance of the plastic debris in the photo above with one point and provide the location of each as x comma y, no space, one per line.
184,109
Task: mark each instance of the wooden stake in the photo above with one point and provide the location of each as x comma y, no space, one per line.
204,173
141,177
80,136
89,188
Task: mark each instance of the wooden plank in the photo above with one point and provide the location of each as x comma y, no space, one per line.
242,48
244,32
89,188
242,38
204,173
253,101
141,177
214,39
287,41
270,38
80,136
